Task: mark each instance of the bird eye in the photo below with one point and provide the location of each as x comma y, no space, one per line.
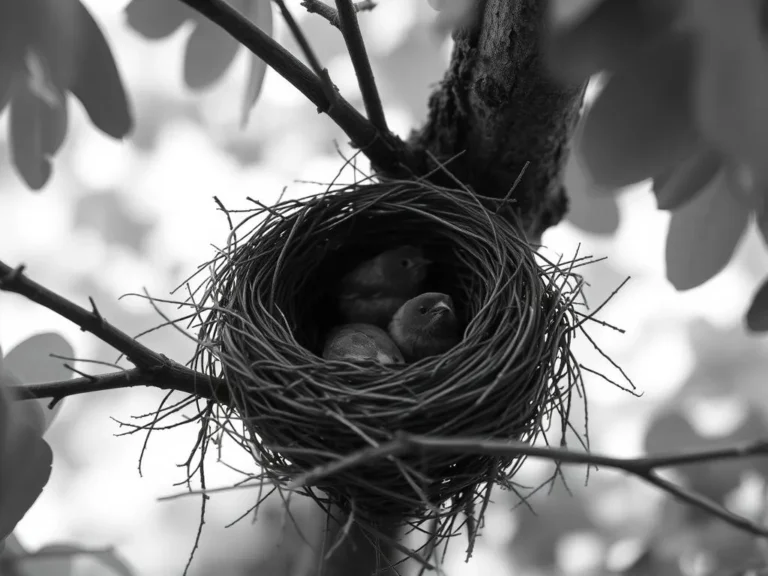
423,309
405,263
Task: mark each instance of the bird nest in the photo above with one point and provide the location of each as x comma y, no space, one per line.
271,297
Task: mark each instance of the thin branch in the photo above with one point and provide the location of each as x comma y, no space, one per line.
643,468
324,11
170,376
152,368
330,90
14,280
350,29
385,150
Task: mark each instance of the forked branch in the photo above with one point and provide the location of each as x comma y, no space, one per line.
385,150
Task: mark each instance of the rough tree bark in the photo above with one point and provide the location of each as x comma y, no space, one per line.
498,105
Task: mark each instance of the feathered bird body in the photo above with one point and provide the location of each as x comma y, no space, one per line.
425,326
359,343
372,292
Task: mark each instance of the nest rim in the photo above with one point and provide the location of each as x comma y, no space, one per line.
256,326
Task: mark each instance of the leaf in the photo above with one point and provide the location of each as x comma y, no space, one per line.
585,211
703,235
155,19
210,51
757,315
9,66
260,13
31,362
25,460
59,560
55,38
684,182
97,82
36,131
640,124
51,560
731,86
761,215
112,560
608,37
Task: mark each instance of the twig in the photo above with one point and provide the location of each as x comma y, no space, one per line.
350,29
643,468
152,368
168,376
14,280
330,91
385,150
323,10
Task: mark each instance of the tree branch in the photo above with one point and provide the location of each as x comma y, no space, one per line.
350,29
385,150
330,90
323,10
643,468
14,280
152,368
498,105
169,376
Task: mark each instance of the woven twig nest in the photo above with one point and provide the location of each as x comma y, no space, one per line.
272,296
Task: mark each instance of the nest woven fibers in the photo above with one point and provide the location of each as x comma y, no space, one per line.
271,297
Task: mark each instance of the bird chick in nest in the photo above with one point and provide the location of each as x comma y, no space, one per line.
359,343
425,326
374,290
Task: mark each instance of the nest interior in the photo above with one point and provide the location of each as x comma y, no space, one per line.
272,296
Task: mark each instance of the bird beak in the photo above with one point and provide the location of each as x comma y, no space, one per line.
421,261
441,308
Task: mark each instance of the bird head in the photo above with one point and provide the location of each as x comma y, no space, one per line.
431,313
404,266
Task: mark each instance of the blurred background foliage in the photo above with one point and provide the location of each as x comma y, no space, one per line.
117,217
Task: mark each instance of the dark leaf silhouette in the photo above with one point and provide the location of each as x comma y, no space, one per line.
32,362
671,432
7,74
25,458
60,559
641,123
732,80
703,235
155,19
757,316
97,83
37,129
609,36
587,210
761,214
210,51
260,13
682,183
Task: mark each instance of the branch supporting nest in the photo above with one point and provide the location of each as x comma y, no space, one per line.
173,376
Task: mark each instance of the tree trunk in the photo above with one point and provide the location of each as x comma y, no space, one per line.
499,106
358,555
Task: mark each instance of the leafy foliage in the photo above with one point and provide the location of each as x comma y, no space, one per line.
50,48
210,50
687,97
25,458
703,235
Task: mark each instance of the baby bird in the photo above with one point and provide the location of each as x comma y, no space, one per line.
372,292
425,326
361,342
